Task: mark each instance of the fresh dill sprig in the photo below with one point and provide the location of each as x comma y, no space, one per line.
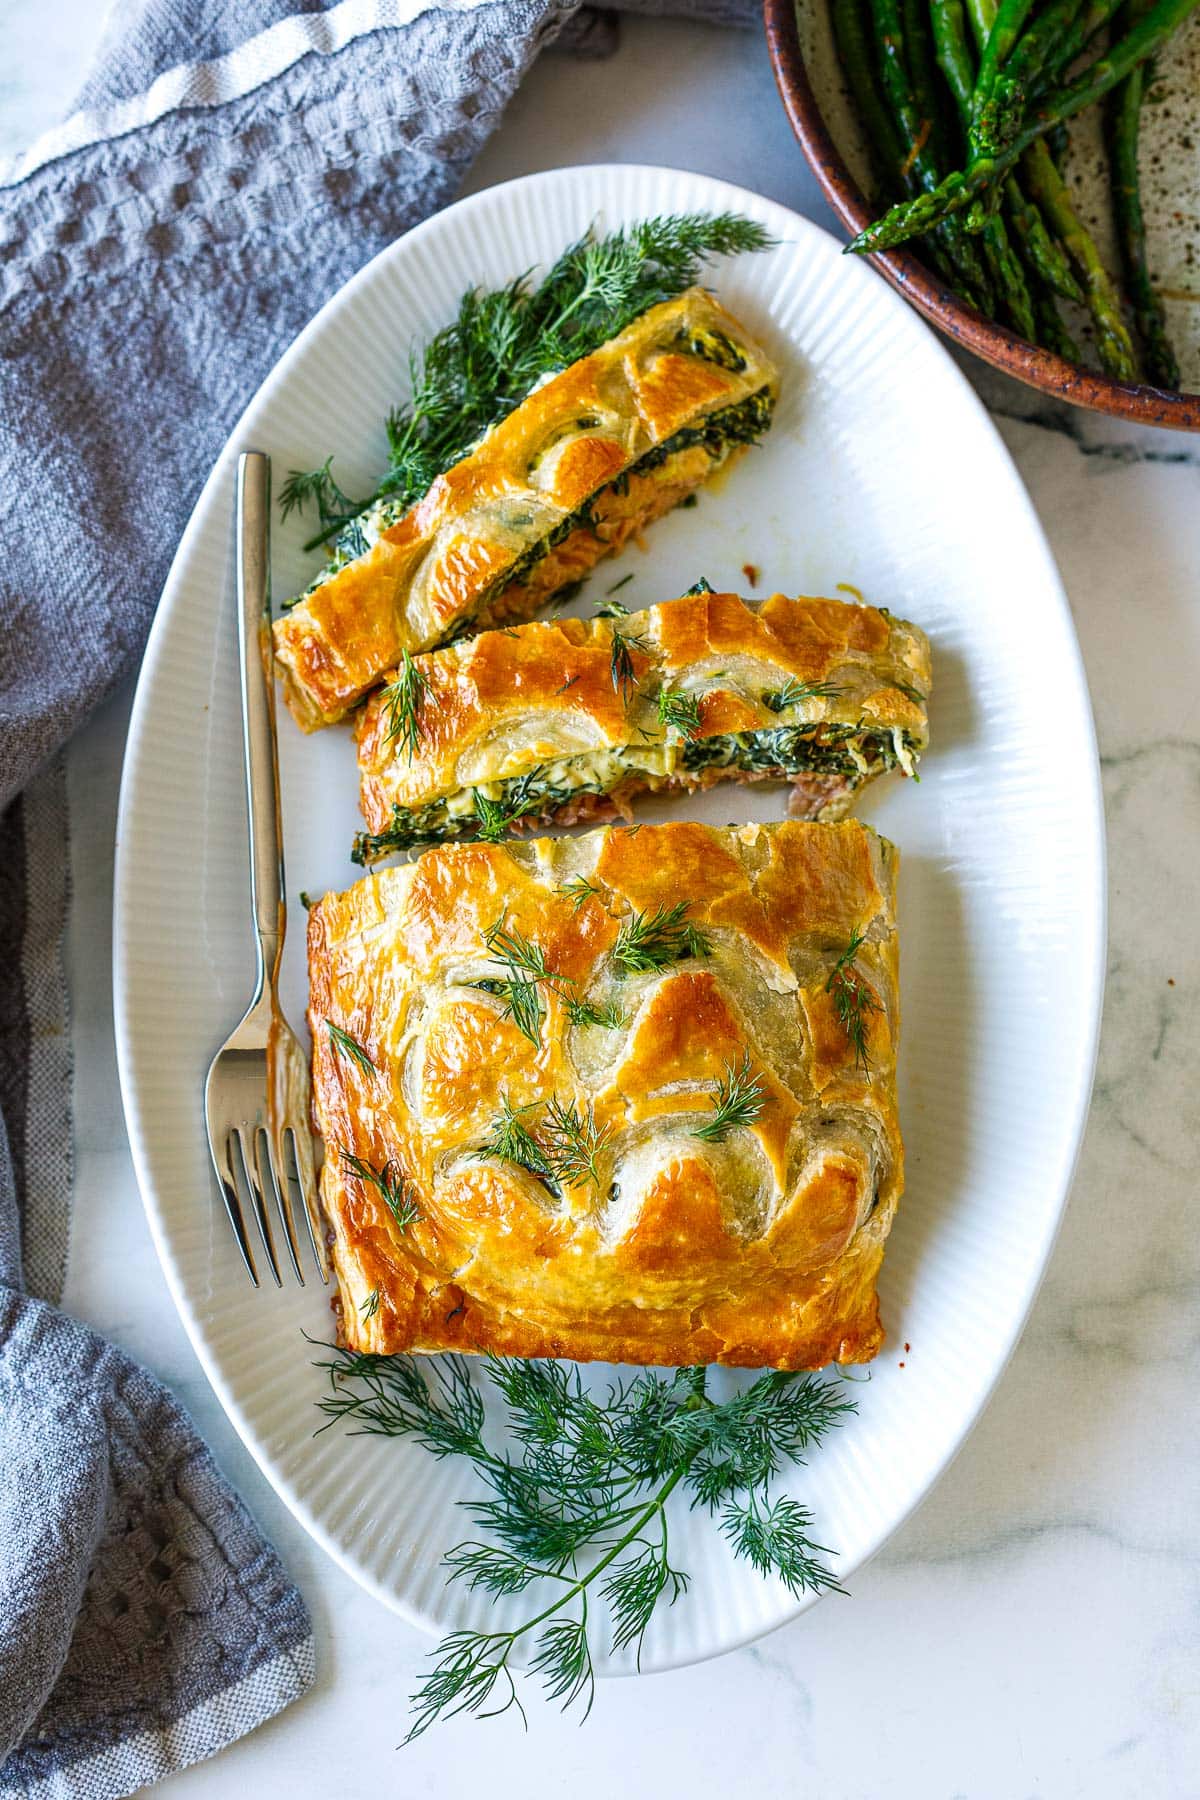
476,370
574,1141
698,587
510,1140
492,816
403,699
737,1101
524,968
496,816
624,675
792,692
349,1047
679,712
370,1306
585,1012
575,1503
390,1183
317,487
579,889
653,940
776,1539
519,951
612,609
853,1001
561,1149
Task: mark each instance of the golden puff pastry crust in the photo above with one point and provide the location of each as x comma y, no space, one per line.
829,693
564,480
760,1247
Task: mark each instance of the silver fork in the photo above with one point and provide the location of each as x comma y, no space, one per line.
256,1094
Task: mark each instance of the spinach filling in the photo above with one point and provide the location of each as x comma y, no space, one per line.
720,432
783,753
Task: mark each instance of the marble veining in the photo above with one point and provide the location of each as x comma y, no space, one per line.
1033,1631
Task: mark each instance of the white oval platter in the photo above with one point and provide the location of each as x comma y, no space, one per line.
882,471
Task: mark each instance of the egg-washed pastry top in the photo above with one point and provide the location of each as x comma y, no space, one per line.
569,719
628,1096
587,459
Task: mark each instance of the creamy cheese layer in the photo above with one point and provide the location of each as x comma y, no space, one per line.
781,754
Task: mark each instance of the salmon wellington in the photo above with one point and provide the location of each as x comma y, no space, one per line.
589,458
566,720
627,1096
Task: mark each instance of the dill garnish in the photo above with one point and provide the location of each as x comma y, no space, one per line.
526,970
403,699
476,370
737,1101
624,676
561,1149
496,816
579,889
512,1141
390,1183
853,1001
612,609
792,692
315,487
698,587
582,1012
370,1306
575,1504
493,818
525,966
679,712
652,940
349,1047
574,1140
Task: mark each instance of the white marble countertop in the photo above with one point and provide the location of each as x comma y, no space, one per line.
1033,1633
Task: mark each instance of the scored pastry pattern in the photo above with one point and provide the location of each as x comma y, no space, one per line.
628,1096
590,457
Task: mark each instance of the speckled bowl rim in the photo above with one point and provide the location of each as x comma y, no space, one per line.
997,345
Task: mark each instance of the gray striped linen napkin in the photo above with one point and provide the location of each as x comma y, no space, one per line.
228,165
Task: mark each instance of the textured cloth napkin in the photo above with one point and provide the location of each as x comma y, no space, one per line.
228,165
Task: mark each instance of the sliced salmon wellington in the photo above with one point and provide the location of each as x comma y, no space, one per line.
586,461
570,719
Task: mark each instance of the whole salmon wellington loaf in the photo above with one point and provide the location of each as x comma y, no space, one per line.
626,1096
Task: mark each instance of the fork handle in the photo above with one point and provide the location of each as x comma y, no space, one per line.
258,708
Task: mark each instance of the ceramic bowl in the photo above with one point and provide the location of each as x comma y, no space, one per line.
802,53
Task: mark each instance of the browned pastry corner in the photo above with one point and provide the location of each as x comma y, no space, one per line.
819,693
587,460
760,1246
